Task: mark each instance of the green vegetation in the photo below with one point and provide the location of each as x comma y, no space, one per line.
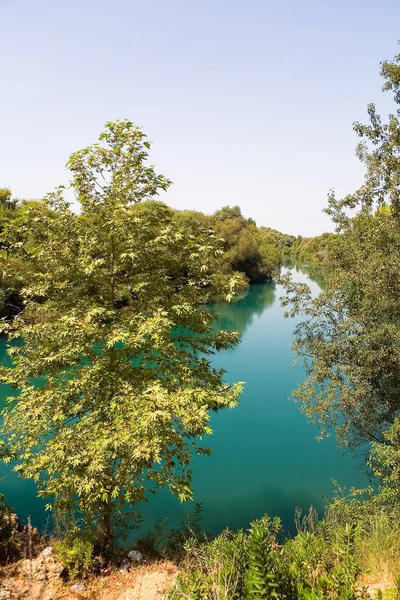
10,547
323,561
352,329
77,552
349,339
110,336
115,329
312,249
10,284
244,253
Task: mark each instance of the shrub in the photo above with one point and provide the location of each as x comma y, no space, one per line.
317,564
261,579
76,551
377,517
189,529
213,570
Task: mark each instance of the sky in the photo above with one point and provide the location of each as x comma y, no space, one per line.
247,102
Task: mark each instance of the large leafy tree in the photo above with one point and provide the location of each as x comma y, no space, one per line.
350,338
114,382
11,210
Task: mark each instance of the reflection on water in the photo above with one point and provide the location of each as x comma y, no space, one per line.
238,315
313,271
266,458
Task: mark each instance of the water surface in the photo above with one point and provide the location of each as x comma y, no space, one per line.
266,458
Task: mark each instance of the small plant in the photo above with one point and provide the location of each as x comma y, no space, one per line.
10,547
307,522
377,516
151,543
190,528
321,562
392,594
261,579
213,570
76,551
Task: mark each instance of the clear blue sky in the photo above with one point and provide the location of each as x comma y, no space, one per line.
247,102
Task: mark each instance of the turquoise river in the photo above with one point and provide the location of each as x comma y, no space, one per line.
265,458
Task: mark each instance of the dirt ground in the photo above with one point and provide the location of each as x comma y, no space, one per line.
39,579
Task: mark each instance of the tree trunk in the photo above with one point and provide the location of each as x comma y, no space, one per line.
106,530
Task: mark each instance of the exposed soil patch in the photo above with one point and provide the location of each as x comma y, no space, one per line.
39,579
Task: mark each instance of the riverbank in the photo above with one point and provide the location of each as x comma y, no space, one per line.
147,582
321,561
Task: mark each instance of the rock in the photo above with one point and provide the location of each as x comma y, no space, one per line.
41,568
5,592
47,551
135,555
78,587
124,566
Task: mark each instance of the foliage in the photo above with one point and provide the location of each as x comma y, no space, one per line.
376,516
314,249
116,337
7,203
350,338
384,461
214,569
152,543
320,563
231,213
349,342
246,249
261,579
161,542
10,542
250,252
10,282
76,551
189,529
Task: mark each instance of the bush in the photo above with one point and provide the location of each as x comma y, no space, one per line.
319,563
16,540
377,517
189,530
9,547
213,570
76,551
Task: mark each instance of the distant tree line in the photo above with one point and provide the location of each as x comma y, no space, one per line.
313,249
252,254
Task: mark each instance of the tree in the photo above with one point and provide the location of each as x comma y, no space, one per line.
116,338
350,338
6,203
248,250
10,281
229,212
